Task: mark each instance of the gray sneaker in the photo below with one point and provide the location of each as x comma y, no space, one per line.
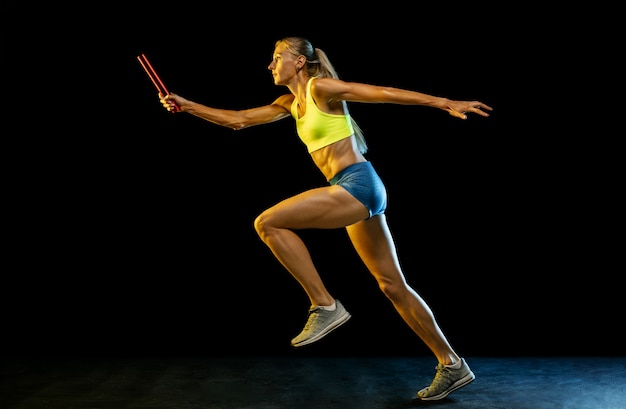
447,380
320,323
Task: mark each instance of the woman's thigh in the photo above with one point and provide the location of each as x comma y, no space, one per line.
374,244
325,208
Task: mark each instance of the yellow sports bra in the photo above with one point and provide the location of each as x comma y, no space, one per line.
316,128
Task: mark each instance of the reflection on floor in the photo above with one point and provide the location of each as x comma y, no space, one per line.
307,383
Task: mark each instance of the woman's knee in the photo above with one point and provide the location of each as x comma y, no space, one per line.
393,289
263,223
259,224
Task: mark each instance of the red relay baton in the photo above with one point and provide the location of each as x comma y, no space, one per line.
154,77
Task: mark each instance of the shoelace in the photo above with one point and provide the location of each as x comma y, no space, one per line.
312,317
443,372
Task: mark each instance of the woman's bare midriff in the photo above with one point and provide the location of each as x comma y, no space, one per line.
335,157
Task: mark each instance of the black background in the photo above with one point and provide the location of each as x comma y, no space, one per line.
130,228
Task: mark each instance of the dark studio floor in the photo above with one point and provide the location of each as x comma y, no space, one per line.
307,383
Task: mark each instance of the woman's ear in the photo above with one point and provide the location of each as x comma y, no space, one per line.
300,62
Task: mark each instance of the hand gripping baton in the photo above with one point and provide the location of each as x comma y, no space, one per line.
154,77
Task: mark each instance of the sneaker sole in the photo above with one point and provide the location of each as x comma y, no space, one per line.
336,324
456,385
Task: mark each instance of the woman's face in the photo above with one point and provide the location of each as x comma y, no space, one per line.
283,65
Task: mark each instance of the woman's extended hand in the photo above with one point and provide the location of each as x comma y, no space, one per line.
459,109
172,102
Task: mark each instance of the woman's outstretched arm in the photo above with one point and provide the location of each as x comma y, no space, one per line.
329,89
234,119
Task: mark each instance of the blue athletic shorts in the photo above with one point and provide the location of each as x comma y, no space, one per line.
361,181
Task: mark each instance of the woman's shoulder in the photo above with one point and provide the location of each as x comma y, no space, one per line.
285,100
325,85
